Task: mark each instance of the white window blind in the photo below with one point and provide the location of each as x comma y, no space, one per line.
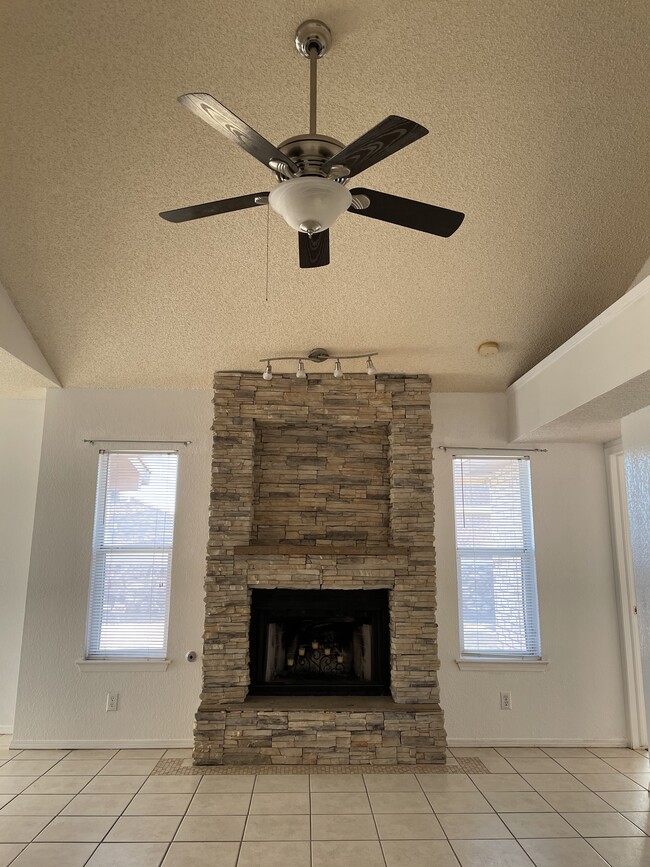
495,554
132,555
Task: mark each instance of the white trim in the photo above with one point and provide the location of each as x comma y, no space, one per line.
122,664
614,310
486,663
6,730
626,596
535,742
171,744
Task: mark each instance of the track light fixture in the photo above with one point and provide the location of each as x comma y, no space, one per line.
318,356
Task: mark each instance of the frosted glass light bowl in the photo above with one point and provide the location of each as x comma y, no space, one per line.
307,203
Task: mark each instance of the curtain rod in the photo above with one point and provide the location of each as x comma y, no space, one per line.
142,442
484,449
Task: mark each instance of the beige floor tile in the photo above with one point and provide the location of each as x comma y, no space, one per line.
408,802
21,829
129,767
282,783
76,829
498,765
292,854
419,853
585,766
456,802
392,783
4,799
623,851
226,785
337,783
215,829
128,855
97,805
178,754
15,785
602,825
473,826
609,782
344,803
173,785
521,752
562,853
641,820
637,765
568,752
491,853
366,853
89,755
501,783
36,805
221,805
577,802
285,828
540,766
615,752
446,783
140,754
158,805
555,783
280,803
519,802
57,786
144,829
642,779
344,827
471,752
114,785
8,852
407,826
54,855
536,825
76,768
41,755
15,768
633,801
202,855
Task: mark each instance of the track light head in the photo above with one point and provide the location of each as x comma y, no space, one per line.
338,371
370,367
268,372
301,372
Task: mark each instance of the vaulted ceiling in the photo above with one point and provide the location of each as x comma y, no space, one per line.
539,119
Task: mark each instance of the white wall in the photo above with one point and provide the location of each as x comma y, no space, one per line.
579,696
635,431
58,703
21,429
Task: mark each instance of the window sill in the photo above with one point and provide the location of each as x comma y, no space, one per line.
497,664
122,664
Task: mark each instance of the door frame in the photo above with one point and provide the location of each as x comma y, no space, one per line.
626,595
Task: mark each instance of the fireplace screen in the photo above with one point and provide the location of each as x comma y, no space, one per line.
319,642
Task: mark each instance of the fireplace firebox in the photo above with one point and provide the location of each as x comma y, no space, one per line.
319,642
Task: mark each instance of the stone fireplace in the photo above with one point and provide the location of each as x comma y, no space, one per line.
320,642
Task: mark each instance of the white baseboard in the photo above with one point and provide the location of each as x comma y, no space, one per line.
180,743
6,730
536,742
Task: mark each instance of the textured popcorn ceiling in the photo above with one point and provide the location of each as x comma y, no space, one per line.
539,118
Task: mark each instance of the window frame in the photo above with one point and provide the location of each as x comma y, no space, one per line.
501,660
128,659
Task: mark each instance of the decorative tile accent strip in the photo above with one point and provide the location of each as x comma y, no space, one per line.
184,768
338,465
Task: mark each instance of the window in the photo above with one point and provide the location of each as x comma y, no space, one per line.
132,555
495,554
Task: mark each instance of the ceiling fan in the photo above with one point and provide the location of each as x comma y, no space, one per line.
313,169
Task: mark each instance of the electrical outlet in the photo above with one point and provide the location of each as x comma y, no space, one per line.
111,701
506,701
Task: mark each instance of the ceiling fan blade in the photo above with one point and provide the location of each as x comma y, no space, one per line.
409,213
315,251
388,137
209,209
222,119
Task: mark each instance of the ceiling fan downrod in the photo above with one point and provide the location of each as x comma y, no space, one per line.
313,40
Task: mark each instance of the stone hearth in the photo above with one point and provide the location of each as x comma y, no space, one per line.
321,484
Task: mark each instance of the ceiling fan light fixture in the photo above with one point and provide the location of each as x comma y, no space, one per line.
310,204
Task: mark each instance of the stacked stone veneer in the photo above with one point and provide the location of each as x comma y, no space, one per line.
348,464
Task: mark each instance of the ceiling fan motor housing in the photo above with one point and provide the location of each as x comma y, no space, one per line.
309,153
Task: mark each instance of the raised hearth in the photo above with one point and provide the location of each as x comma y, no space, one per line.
321,539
